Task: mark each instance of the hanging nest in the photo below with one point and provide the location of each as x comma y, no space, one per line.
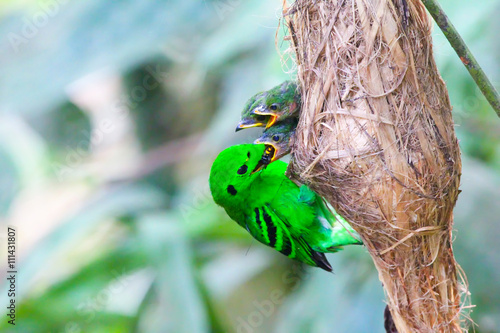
376,139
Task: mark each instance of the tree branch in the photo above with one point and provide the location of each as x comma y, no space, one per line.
464,53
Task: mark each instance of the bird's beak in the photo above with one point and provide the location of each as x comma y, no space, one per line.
271,152
271,121
247,124
262,111
259,167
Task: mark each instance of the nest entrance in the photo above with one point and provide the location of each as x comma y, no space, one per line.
376,139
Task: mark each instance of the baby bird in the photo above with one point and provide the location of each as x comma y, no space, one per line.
280,137
266,108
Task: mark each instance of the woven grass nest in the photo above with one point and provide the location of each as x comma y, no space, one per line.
376,139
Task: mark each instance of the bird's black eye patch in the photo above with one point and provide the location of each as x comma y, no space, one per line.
231,190
242,170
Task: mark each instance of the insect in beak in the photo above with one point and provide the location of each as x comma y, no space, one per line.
267,157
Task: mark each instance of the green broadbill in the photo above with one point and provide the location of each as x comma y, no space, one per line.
274,210
266,108
280,137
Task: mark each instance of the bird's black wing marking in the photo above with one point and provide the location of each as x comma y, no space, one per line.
278,234
316,258
259,234
271,227
286,247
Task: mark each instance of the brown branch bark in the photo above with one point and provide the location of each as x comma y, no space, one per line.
376,139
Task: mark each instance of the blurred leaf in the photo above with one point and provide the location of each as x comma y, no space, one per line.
476,245
24,148
9,181
81,37
67,128
176,306
81,299
351,300
103,205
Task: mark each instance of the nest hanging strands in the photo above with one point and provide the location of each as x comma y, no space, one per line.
376,138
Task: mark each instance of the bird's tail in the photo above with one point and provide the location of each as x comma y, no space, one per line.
342,233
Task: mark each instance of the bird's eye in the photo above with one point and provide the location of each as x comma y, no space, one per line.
274,107
242,170
276,138
261,118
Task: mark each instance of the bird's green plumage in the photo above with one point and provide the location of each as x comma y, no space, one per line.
281,101
274,210
279,136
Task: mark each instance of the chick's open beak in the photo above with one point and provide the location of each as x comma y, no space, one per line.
271,152
247,124
271,121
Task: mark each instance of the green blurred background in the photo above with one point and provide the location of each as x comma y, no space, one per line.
111,113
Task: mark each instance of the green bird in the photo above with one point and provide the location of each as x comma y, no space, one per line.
266,108
280,137
274,210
